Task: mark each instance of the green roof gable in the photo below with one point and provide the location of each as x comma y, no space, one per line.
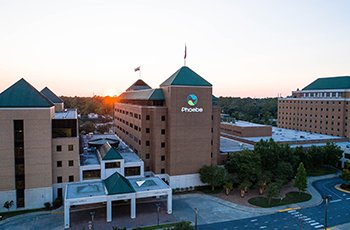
187,77
117,184
51,95
342,82
23,94
145,94
107,152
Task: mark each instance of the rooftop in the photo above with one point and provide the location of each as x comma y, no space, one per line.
342,82
117,184
228,145
187,77
85,189
51,95
147,183
66,114
244,124
138,85
89,157
22,94
144,94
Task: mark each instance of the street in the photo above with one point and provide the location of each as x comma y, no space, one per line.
308,218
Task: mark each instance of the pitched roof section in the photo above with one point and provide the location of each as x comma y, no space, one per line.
146,94
107,152
185,76
138,85
117,184
23,94
51,95
342,82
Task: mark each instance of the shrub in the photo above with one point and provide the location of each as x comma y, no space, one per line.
47,205
183,226
57,203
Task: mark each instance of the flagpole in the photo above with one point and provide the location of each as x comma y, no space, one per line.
185,56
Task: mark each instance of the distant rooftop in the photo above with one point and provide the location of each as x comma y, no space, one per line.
66,114
85,189
138,85
23,94
143,94
51,95
342,82
147,184
186,77
244,124
228,145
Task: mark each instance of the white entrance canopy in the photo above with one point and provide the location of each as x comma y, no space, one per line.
116,187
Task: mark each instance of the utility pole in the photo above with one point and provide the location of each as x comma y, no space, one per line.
196,218
158,210
326,199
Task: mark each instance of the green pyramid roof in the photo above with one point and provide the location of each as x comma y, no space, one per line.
107,152
23,94
51,95
185,76
117,184
342,82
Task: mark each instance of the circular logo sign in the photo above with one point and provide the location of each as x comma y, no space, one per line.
192,100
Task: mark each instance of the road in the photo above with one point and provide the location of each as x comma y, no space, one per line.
307,218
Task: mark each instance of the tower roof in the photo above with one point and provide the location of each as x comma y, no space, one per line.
138,85
342,82
187,77
51,95
23,94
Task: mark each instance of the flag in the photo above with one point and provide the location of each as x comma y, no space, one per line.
185,52
137,69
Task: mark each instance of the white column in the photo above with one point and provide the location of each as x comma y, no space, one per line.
109,210
66,214
170,202
133,206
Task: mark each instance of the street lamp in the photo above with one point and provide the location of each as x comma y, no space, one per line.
196,218
326,199
158,210
92,214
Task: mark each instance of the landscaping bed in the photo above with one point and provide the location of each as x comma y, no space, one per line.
290,198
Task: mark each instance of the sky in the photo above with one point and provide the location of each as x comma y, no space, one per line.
247,48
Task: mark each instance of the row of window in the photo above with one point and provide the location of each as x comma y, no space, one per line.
70,163
70,179
316,109
323,94
308,129
305,114
131,114
306,125
59,148
312,102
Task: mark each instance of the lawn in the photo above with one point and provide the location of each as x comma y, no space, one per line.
15,213
161,226
291,198
321,171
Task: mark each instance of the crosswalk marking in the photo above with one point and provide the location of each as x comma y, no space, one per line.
319,226
334,201
313,224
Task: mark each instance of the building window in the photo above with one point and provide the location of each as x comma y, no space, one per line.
162,131
112,165
147,155
163,118
147,130
162,170
70,163
59,179
132,171
147,117
162,158
59,148
91,174
70,147
59,192
71,178
59,164
147,143
162,144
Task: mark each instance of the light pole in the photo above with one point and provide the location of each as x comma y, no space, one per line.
195,218
158,210
92,214
326,199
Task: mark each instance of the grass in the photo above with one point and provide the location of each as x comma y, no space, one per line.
321,171
291,198
20,212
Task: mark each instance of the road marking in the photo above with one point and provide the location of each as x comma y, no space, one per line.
311,221
263,227
313,224
348,198
307,219
288,209
319,226
254,220
334,201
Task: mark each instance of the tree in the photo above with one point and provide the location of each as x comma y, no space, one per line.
345,175
300,179
332,153
213,175
244,186
8,204
284,171
272,190
264,179
228,186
